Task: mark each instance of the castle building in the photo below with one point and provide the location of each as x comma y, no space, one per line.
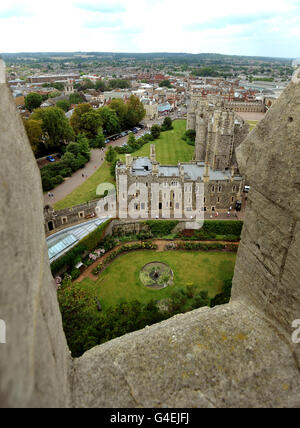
219,131
178,186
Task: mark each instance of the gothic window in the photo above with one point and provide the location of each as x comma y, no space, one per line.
212,188
219,189
234,189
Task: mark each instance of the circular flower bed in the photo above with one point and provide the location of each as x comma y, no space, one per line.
156,275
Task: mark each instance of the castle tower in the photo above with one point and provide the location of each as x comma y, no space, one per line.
152,153
206,169
201,133
69,87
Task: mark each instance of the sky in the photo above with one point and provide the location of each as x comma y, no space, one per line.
236,27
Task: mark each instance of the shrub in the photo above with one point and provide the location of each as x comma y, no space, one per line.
75,273
223,227
161,227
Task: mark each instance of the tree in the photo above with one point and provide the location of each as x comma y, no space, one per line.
110,121
167,124
99,141
34,132
63,104
55,125
165,83
135,111
121,110
90,123
75,98
100,86
110,155
75,120
155,131
33,101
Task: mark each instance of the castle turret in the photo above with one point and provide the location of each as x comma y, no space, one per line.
152,153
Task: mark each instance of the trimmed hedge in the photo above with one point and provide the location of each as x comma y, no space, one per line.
161,227
206,247
223,227
89,243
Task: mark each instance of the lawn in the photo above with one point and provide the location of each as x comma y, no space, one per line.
120,280
169,150
252,123
169,146
87,190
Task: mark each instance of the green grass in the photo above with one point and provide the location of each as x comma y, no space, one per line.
170,149
120,281
87,190
252,123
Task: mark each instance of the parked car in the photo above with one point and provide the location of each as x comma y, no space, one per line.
246,189
107,141
50,159
123,134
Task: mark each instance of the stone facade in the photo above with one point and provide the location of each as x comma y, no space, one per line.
239,106
69,216
235,355
219,131
178,184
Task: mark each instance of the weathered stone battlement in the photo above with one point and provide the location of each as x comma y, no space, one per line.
235,355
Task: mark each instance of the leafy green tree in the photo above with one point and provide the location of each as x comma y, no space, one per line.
167,124
33,101
55,125
100,86
131,140
119,84
90,123
121,110
54,94
84,148
63,104
135,111
34,132
99,141
155,131
75,120
110,121
73,148
110,155
58,85
165,83
75,98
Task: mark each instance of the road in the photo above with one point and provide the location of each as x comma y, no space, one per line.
70,183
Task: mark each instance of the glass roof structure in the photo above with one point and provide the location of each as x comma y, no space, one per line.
62,244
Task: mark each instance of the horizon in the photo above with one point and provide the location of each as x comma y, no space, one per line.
262,29
145,53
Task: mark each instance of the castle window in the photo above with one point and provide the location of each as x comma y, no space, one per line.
218,199
177,205
219,189
234,188
81,214
232,199
212,188
213,208
64,220
143,205
204,200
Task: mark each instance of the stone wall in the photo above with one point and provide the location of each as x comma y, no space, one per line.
69,216
35,361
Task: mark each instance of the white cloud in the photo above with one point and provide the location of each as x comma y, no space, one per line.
231,26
